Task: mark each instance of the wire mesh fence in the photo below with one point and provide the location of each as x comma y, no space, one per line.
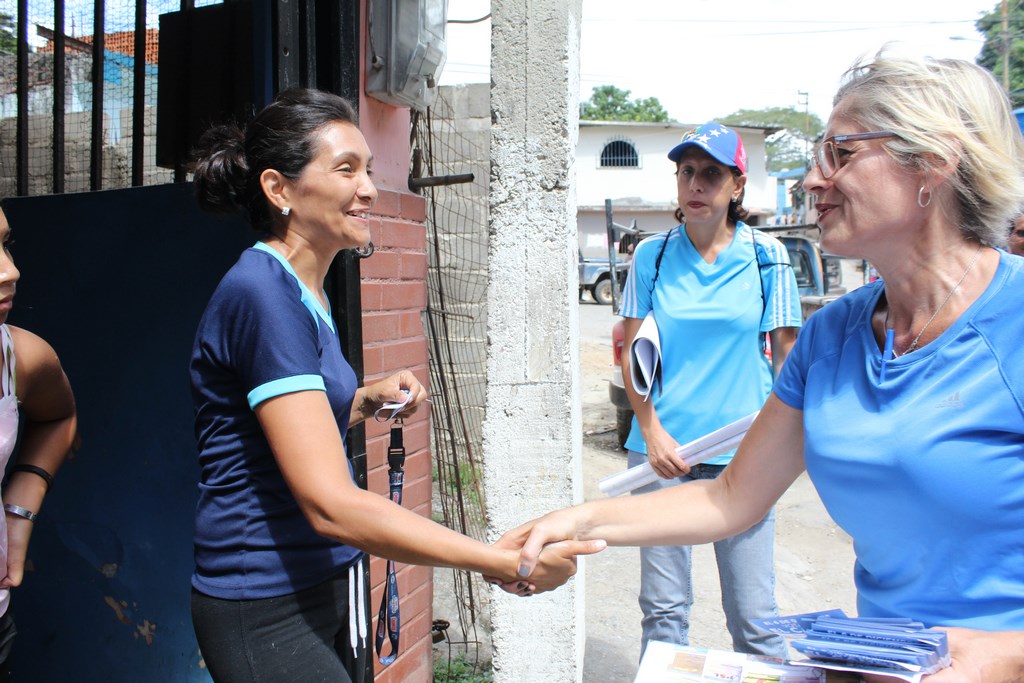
453,139
82,77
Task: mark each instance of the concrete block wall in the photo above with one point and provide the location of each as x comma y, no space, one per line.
463,129
117,155
394,292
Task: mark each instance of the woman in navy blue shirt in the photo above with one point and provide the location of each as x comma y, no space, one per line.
280,524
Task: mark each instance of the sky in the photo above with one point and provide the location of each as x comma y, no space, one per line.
704,59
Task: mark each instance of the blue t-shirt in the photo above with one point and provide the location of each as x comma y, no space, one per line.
925,470
263,334
709,317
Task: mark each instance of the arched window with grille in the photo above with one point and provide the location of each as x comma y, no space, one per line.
620,154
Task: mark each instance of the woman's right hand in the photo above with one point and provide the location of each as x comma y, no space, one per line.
661,453
557,563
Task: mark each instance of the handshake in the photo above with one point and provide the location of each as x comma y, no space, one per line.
545,551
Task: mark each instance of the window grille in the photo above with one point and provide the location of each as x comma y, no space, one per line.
619,154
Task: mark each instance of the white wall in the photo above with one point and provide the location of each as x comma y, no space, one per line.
653,180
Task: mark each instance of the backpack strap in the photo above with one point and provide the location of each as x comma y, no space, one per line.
764,260
657,262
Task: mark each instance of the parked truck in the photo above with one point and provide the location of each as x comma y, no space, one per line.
818,277
596,277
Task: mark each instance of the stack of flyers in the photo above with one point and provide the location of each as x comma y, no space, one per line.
897,647
670,663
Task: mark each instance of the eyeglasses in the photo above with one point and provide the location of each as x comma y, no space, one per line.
827,156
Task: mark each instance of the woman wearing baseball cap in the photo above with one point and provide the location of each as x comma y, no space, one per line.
715,288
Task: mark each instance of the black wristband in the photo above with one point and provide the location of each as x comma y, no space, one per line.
32,469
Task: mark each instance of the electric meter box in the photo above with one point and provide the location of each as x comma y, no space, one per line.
406,51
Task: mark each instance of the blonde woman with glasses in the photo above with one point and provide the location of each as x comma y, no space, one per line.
903,400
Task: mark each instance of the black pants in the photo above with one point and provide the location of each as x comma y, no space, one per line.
298,637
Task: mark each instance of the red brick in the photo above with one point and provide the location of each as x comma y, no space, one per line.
388,203
383,265
402,354
380,360
372,295
413,266
381,326
415,492
404,235
400,294
373,359
412,326
413,207
418,465
391,326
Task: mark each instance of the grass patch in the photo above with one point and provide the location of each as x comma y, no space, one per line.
458,670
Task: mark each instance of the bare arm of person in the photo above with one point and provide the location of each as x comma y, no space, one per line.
48,406
783,339
308,448
661,447
766,464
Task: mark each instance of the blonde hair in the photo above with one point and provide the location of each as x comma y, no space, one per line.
945,112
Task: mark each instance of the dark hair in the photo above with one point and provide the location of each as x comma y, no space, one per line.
736,211
283,137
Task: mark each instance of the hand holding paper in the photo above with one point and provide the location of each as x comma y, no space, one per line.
645,357
697,451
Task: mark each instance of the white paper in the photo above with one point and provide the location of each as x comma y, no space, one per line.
645,357
669,663
699,450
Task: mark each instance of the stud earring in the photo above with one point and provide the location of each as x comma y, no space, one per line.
286,210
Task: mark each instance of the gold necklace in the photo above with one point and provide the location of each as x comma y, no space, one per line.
913,344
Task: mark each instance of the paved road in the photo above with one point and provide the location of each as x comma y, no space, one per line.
814,558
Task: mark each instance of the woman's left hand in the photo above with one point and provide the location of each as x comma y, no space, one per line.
982,657
18,533
977,657
390,390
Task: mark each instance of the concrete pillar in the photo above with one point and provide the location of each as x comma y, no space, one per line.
532,428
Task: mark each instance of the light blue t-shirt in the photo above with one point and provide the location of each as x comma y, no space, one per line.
709,317
925,470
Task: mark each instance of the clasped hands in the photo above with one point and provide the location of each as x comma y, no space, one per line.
547,549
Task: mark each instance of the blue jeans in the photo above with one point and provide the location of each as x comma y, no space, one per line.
746,570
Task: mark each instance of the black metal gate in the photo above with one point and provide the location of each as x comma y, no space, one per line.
116,281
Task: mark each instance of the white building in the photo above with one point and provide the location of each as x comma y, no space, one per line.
626,162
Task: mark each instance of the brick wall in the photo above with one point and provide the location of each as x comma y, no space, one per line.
393,294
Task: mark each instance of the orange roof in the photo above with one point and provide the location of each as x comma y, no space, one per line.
122,42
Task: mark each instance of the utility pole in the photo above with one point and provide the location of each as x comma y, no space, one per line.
807,122
1006,49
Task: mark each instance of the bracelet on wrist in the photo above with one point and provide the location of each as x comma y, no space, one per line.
19,511
32,469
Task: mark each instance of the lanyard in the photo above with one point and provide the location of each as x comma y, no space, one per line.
388,620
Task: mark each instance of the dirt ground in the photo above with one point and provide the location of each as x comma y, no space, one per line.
814,558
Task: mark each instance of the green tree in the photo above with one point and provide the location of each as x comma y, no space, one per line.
789,146
608,103
8,35
991,57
